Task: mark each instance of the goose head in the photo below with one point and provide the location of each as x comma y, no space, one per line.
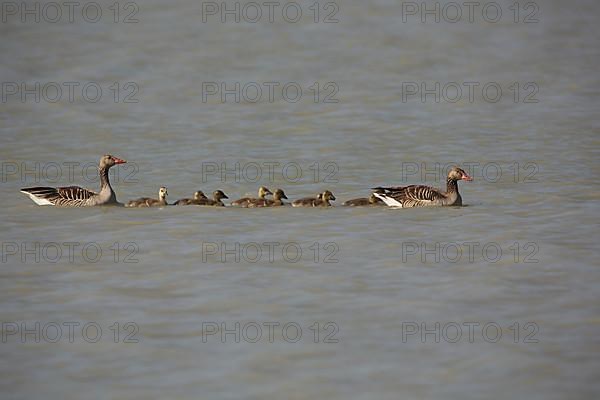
107,161
279,194
457,174
263,191
199,195
218,195
162,193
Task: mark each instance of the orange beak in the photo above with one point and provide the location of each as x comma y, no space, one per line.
119,161
466,177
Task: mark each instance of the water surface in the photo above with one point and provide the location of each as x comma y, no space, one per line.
387,275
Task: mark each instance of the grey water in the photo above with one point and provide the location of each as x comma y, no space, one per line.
497,299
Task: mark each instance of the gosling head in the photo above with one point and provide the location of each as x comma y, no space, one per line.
327,196
199,195
279,194
162,193
218,195
263,191
457,174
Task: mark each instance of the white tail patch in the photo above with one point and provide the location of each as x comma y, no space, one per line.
38,200
388,200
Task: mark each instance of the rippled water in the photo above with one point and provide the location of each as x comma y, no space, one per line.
372,279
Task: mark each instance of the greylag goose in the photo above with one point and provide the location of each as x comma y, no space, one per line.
322,200
150,202
372,200
218,195
307,201
425,196
199,195
325,199
75,196
276,202
245,201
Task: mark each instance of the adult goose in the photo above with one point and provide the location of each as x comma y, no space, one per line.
425,196
245,201
150,202
277,201
372,200
217,200
75,196
322,200
199,195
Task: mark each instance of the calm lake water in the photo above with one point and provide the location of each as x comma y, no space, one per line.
498,299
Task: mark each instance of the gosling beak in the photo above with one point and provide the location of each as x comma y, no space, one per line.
283,196
333,198
119,160
225,196
466,177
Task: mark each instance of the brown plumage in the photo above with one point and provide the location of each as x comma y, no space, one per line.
372,200
425,196
218,195
276,202
245,201
75,196
306,201
322,200
150,202
199,195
